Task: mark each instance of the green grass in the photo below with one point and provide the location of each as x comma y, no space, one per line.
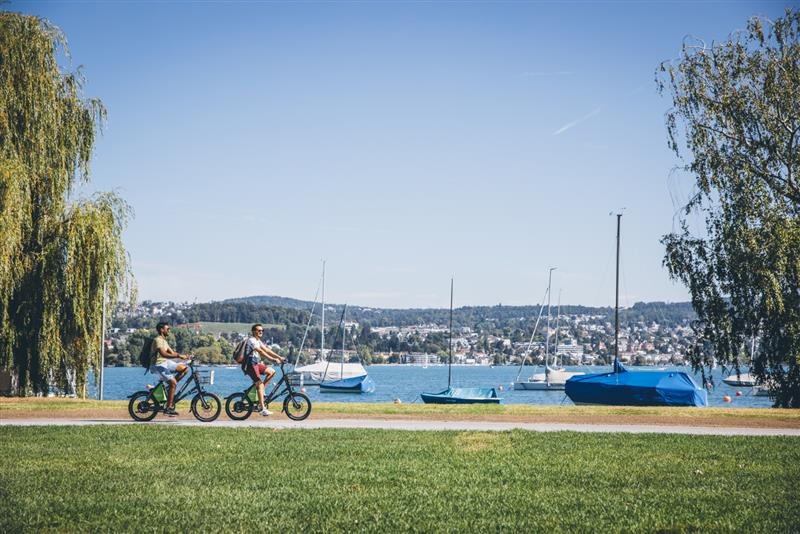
726,416
209,327
156,478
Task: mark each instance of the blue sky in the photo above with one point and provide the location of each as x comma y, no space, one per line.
403,142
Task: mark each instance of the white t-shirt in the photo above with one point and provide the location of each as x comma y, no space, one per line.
252,344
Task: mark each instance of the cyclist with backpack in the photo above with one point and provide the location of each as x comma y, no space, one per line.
165,364
254,368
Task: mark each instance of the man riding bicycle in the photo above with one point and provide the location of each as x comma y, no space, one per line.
165,364
255,369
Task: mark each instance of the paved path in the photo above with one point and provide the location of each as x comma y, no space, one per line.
283,423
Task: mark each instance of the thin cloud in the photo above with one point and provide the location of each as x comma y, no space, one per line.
578,121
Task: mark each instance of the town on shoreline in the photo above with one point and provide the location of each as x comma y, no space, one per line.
650,333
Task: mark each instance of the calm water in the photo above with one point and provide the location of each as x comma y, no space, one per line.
405,382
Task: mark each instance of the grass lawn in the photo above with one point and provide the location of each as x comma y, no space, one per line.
210,327
154,478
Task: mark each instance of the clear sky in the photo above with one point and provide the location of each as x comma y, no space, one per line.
403,142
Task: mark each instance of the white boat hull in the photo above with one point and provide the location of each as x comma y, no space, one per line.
744,380
539,386
554,380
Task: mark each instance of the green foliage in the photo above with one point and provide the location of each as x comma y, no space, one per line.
68,479
56,256
736,113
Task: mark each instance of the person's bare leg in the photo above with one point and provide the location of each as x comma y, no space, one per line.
171,398
260,388
181,371
269,374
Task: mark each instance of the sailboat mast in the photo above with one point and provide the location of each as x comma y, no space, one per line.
344,318
616,302
450,359
547,334
322,343
558,322
530,341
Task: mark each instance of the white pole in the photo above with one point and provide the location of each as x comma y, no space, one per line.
530,342
344,318
547,336
103,342
322,344
558,318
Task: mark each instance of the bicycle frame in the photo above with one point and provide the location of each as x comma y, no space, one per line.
282,387
181,393
275,394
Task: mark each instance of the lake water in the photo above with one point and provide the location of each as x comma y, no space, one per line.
405,382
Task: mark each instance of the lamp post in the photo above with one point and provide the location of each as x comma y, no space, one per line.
103,341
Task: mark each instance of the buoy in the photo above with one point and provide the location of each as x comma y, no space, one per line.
398,401
738,393
501,388
726,398
302,390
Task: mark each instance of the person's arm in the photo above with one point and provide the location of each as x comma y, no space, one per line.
269,354
169,353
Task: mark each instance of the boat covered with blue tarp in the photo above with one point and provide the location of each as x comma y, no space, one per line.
354,384
636,388
462,396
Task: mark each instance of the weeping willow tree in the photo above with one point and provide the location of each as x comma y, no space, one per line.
737,114
58,256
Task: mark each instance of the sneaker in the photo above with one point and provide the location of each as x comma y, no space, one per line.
170,412
265,412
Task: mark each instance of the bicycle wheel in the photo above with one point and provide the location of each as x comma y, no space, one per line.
206,406
238,407
142,406
297,406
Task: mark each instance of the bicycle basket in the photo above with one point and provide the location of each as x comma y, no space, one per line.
205,376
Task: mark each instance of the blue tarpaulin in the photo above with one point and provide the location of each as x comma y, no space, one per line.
462,396
636,388
354,384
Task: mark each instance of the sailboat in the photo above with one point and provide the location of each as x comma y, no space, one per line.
315,373
354,384
634,388
453,395
743,380
553,379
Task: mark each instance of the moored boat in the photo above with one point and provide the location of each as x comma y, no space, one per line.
453,395
634,388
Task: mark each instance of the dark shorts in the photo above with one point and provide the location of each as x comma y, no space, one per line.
256,372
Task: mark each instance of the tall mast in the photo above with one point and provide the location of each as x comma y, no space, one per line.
322,344
558,321
450,359
616,304
547,334
344,318
530,341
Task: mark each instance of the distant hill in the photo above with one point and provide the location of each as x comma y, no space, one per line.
476,316
271,300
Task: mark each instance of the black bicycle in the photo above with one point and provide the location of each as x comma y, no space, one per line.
205,406
297,406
